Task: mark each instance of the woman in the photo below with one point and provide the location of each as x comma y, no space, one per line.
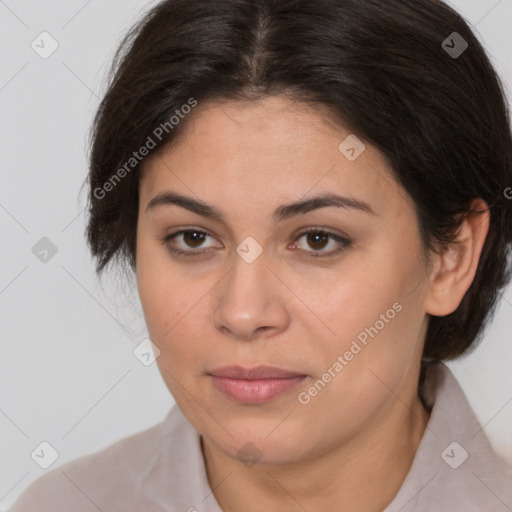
313,196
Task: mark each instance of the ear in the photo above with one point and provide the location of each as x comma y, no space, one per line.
454,269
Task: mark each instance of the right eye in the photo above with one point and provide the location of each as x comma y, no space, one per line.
185,241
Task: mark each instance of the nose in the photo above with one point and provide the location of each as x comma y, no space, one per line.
250,302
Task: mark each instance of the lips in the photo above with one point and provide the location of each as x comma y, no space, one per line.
258,372
256,385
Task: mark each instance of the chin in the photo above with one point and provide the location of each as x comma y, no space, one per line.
259,444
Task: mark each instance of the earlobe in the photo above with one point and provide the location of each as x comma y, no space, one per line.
455,268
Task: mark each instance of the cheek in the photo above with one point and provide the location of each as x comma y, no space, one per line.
369,314
174,306
169,303
162,294
351,300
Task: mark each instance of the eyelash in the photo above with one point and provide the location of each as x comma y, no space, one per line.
315,254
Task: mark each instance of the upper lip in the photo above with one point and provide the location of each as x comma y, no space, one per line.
257,372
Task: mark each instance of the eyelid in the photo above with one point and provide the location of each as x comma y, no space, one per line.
343,240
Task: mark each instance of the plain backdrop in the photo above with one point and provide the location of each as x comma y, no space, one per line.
68,374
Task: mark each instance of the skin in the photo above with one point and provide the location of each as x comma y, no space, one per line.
351,446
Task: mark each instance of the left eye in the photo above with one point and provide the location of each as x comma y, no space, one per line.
316,239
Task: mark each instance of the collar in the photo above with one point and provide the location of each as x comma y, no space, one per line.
454,469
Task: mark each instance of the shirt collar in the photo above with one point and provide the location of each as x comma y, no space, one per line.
454,467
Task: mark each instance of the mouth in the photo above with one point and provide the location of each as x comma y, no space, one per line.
254,385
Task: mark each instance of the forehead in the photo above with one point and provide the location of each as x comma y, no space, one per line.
272,149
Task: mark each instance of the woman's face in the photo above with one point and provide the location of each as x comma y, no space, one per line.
341,311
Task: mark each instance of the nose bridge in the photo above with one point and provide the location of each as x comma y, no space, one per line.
248,299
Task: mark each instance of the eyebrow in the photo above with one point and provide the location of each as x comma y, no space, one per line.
281,213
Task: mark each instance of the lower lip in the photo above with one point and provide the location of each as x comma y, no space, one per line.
255,391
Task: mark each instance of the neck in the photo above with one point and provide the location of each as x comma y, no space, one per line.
362,474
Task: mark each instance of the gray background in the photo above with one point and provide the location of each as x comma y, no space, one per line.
68,375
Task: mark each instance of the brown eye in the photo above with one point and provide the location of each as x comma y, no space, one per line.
189,242
316,240
193,238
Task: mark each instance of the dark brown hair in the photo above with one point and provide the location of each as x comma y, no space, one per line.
393,71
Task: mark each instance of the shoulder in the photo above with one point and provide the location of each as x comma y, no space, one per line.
109,479
455,467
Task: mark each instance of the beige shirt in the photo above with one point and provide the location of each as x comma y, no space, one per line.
162,468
